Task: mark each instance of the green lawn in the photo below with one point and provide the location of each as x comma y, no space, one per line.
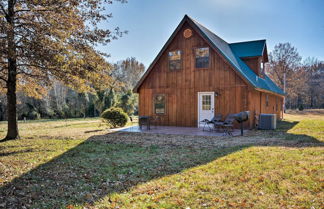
76,163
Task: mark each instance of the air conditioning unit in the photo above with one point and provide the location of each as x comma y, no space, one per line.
268,121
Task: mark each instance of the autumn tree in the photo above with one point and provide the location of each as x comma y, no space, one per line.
53,39
285,68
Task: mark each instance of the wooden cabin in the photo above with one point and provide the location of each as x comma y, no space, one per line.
197,74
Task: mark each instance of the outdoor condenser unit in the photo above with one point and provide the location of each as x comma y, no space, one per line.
267,121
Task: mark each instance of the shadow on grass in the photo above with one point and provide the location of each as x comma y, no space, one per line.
95,169
4,154
93,131
292,139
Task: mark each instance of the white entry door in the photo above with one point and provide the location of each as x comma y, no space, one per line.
205,106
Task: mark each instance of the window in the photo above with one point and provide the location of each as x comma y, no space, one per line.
261,68
159,104
175,60
267,100
276,103
202,57
206,102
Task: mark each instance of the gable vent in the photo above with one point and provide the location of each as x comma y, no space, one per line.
187,33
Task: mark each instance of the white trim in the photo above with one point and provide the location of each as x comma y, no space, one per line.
198,103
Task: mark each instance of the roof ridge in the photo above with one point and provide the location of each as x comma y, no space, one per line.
240,42
207,29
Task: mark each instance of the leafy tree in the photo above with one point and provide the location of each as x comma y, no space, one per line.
110,99
127,102
53,39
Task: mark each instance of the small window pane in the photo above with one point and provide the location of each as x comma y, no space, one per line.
202,57
175,60
159,104
206,102
261,68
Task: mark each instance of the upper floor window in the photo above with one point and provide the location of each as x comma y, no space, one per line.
267,100
262,68
175,60
202,57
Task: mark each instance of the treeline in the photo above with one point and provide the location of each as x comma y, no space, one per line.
303,78
61,101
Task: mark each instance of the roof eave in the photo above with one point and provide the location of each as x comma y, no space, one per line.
271,92
139,83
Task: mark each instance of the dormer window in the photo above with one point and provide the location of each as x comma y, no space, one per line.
261,68
202,57
175,60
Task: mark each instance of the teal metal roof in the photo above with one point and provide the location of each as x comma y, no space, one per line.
248,48
233,52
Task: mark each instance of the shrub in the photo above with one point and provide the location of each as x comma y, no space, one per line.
33,115
115,117
301,107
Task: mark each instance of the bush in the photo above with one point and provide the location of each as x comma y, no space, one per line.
33,115
115,117
301,107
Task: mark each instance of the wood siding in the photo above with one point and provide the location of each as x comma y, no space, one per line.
257,105
181,87
254,63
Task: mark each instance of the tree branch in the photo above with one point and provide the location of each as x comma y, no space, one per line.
31,75
1,78
3,9
36,10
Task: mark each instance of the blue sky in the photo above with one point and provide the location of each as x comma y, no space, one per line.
151,22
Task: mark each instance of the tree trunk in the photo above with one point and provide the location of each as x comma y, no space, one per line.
12,105
284,101
12,132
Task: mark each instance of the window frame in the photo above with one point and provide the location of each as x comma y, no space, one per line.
165,104
169,61
261,68
195,58
267,100
204,99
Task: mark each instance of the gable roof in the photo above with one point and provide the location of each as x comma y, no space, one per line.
232,56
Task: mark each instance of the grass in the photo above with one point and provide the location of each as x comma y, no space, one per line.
76,164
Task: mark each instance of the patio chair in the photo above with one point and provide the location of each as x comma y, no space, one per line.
227,125
155,120
144,120
206,122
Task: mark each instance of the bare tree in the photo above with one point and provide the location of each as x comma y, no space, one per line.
315,82
284,64
128,71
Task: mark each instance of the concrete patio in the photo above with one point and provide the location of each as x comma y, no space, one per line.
175,130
